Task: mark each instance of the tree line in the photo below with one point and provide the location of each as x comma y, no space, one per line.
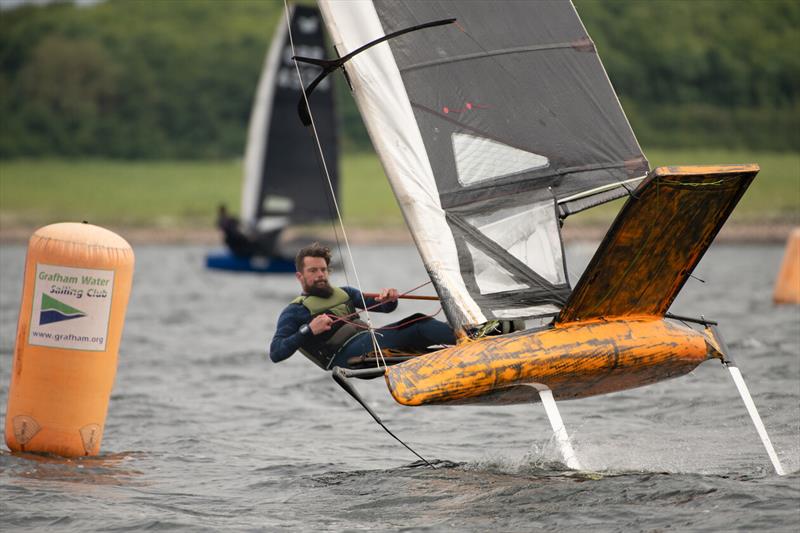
149,79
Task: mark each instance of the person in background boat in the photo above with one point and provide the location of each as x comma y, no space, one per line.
321,323
238,243
242,244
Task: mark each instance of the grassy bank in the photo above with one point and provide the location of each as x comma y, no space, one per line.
774,196
163,194
185,194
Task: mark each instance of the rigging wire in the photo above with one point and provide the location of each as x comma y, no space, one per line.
375,344
390,327
398,326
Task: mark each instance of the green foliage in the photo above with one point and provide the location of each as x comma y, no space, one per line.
131,79
367,198
117,193
722,73
186,194
175,78
773,197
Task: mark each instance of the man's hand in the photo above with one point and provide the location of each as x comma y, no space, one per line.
320,324
386,295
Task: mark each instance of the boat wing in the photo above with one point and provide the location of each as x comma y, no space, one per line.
656,241
490,129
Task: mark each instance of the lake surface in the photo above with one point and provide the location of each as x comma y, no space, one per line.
204,433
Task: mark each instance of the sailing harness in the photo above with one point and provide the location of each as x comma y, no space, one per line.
323,348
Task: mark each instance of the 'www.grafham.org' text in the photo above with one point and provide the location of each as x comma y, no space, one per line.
69,337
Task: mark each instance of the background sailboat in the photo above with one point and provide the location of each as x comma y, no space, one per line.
492,130
281,183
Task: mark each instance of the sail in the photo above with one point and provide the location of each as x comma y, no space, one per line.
279,167
490,130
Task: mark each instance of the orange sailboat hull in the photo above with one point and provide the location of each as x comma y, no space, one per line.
574,360
611,334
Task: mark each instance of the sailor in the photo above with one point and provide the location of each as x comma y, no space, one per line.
247,244
236,240
323,325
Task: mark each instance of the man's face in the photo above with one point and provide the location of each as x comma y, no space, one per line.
314,277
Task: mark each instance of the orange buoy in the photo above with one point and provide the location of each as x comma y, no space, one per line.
75,292
787,286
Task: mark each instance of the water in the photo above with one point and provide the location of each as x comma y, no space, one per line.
204,433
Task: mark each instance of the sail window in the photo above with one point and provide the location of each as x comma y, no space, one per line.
529,233
479,159
489,275
278,204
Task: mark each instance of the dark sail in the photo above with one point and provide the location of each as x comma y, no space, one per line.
281,168
490,130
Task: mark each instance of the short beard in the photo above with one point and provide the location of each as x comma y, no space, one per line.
321,292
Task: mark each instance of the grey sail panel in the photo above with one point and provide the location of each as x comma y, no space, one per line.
289,168
519,91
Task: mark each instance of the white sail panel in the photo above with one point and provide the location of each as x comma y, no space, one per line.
479,159
529,233
490,277
384,105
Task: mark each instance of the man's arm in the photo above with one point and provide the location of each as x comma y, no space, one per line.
287,338
385,307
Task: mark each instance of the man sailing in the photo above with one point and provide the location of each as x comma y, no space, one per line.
321,323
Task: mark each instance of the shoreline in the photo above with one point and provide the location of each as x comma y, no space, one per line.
730,233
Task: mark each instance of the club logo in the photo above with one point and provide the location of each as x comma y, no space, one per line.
55,311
